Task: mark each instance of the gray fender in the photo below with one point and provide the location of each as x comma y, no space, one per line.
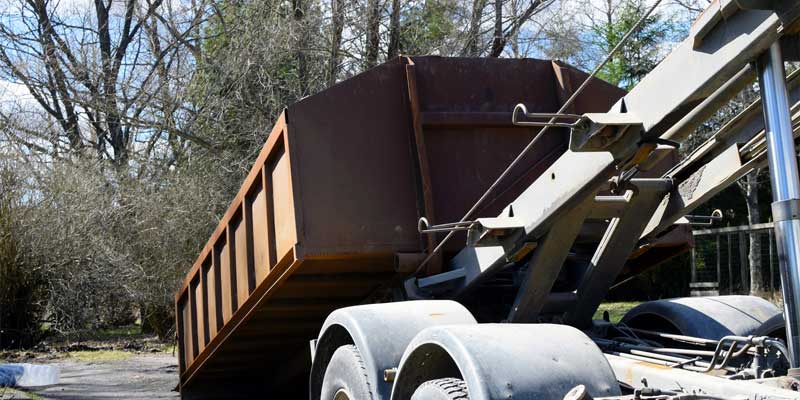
773,327
381,333
705,317
504,361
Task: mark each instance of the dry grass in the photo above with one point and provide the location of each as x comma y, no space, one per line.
9,393
98,355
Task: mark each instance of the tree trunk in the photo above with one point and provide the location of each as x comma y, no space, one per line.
750,190
502,37
513,38
302,42
474,33
337,25
373,31
498,42
394,31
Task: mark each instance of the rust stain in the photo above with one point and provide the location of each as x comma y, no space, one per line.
650,365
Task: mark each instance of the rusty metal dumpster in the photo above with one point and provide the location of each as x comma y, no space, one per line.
327,216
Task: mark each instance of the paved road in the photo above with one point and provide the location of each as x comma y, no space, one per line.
146,376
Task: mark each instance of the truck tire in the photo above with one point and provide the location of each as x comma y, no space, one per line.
442,389
346,376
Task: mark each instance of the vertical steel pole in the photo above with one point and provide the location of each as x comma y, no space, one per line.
743,264
730,266
771,262
719,268
785,188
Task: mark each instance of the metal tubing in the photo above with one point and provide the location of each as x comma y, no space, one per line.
679,338
785,186
658,361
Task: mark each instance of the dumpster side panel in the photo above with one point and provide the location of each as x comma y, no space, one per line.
263,258
351,152
279,184
220,289
211,305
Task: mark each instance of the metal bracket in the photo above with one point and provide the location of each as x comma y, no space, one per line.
589,132
611,254
716,215
490,231
598,131
606,207
521,109
423,226
785,210
546,263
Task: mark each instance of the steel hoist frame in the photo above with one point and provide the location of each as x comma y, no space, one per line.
730,45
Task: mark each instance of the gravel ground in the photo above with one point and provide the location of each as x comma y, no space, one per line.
141,376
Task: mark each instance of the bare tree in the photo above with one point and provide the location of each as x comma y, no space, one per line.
299,11
337,25
693,6
498,44
474,32
103,127
563,37
373,33
749,189
394,31
104,247
100,72
506,29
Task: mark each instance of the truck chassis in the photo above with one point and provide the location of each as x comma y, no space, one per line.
423,343
548,346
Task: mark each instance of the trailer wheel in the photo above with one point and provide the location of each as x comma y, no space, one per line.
346,376
442,389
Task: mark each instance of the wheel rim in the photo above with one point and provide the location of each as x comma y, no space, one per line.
341,394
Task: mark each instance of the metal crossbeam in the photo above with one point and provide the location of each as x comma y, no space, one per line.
545,265
617,244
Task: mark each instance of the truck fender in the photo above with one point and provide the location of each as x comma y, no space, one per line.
503,361
773,327
706,317
381,333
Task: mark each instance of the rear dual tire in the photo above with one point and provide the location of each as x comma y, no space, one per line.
346,379
442,389
346,376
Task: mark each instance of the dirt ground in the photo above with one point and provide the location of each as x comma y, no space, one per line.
139,376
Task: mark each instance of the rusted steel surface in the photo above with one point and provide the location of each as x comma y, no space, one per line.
334,197
423,169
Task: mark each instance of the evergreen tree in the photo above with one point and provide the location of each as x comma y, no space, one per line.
643,50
